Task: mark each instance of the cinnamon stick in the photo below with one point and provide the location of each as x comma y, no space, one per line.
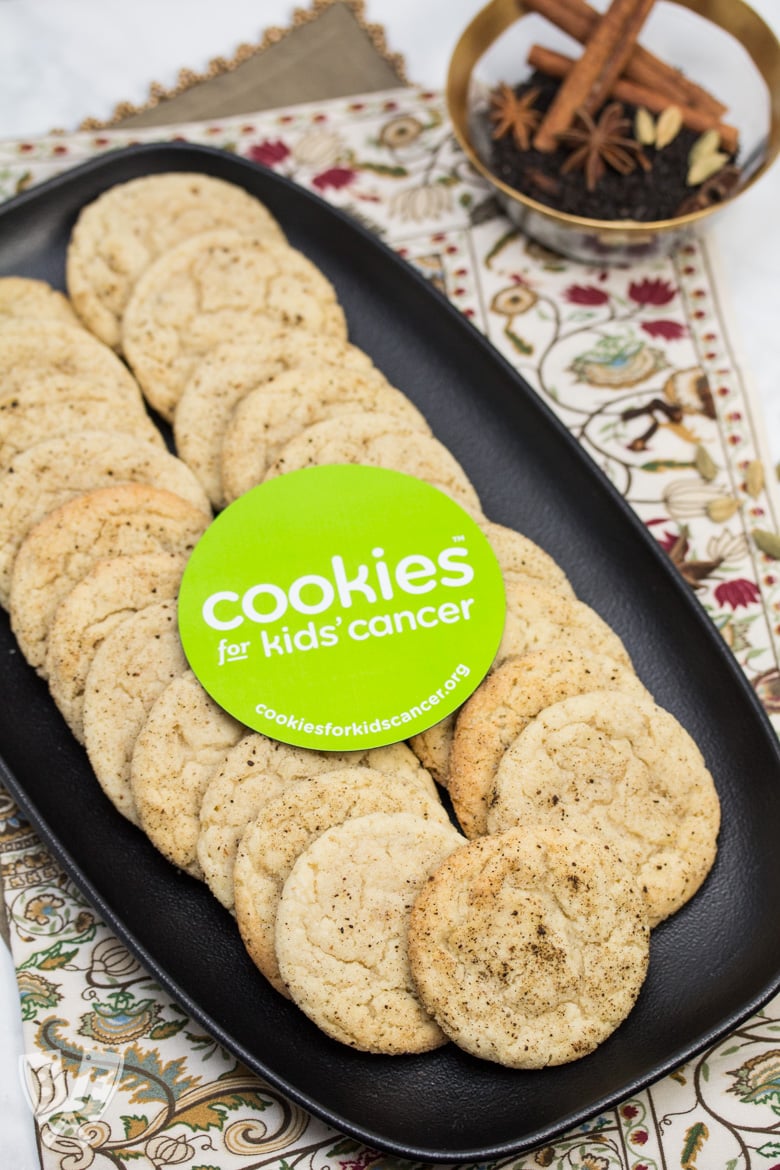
593,75
558,65
578,19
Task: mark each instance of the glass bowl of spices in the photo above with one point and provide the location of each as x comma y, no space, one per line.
611,130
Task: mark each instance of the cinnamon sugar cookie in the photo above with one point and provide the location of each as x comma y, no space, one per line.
50,473
130,669
266,420
233,370
178,748
341,930
379,440
537,617
259,769
56,378
504,704
531,947
63,547
110,592
288,824
433,748
25,299
125,229
624,771
521,558
214,286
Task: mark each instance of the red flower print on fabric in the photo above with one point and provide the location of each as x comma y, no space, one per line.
585,294
668,330
667,539
651,291
336,177
269,153
737,593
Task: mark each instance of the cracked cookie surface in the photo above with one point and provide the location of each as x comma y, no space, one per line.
214,286
258,769
125,229
230,372
52,472
288,824
269,418
111,592
182,742
55,379
23,299
379,440
537,616
625,771
341,930
529,948
131,668
504,704
63,547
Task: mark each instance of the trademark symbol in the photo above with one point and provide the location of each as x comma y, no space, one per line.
457,539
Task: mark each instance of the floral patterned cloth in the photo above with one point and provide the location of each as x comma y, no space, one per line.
639,365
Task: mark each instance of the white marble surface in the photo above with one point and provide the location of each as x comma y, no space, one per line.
64,60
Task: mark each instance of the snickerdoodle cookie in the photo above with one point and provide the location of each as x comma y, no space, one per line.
271,416
505,703
288,824
57,378
623,770
182,742
537,616
258,769
214,286
131,668
125,229
54,471
379,440
25,299
341,929
63,547
111,592
529,948
231,371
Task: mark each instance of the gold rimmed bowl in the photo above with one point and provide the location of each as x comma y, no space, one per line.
722,44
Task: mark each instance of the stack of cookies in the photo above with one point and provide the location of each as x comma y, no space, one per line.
580,813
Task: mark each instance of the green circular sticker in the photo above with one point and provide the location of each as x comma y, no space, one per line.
341,607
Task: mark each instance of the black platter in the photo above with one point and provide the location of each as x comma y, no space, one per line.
712,965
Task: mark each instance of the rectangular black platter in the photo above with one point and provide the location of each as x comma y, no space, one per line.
711,965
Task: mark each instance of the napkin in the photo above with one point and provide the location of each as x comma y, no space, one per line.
329,51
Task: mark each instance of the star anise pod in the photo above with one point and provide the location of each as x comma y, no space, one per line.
510,113
597,145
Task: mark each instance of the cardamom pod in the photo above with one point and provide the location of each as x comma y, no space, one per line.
707,143
722,509
644,127
705,167
754,478
705,464
668,127
767,542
